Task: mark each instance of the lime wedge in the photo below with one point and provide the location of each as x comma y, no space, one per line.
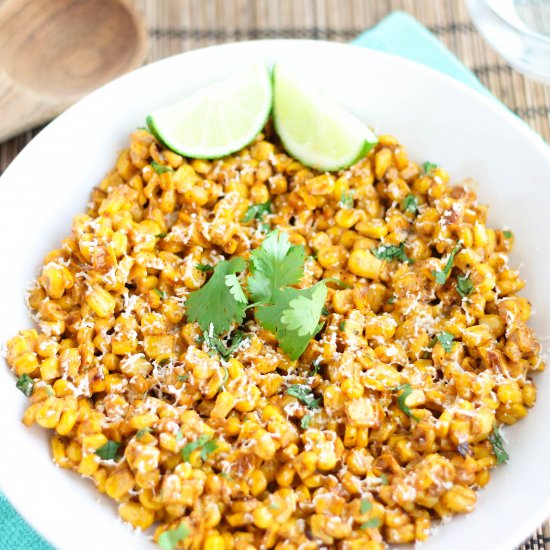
314,129
217,120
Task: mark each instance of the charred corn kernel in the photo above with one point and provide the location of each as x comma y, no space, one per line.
119,483
382,162
224,404
364,264
49,413
100,302
88,465
347,217
49,369
459,499
26,363
58,452
66,422
509,393
142,421
136,515
375,228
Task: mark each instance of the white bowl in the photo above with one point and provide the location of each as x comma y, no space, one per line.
435,117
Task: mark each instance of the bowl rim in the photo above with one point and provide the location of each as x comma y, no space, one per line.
541,512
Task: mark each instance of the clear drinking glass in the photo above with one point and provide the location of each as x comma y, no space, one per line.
519,30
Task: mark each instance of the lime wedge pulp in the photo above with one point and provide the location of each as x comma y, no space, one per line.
314,129
219,119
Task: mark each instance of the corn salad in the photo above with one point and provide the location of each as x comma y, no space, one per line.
419,359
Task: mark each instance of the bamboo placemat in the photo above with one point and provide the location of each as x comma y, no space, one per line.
180,25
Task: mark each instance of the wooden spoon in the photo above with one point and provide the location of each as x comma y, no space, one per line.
56,51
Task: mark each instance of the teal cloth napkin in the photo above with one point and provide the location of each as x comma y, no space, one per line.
398,33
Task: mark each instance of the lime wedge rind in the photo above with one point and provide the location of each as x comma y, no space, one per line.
217,120
315,129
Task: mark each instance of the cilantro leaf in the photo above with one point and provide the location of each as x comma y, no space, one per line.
108,451
390,253
183,378
204,267
384,479
346,199
305,394
256,211
214,304
406,390
206,443
306,419
464,285
217,345
170,538
160,293
498,446
274,265
446,340
372,523
235,288
316,367
507,233
161,235
441,276
140,433
304,311
410,204
428,167
270,317
25,384
160,168
366,505
208,448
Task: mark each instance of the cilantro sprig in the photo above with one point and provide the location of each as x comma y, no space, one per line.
346,199
291,314
108,451
25,384
428,167
217,345
410,204
441,276
498,446
219,302
256,211
161,168
172,537
390,253
445,339
405,390
305,394
206,443
464,285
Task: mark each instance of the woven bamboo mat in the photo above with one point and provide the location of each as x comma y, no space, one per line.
180,25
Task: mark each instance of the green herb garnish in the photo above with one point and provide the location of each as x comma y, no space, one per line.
215,305
372,523
161,235
305,394
183,377
346,199
206,443
217,345
428,167
160,168
390,253
305,421
204,267
25,384
410,204
256,211
498,446
507,233
171,538
464,285
108,451
366,505
446,340
406,390
140,433
160,293
441,276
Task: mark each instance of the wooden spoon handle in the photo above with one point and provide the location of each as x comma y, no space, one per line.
23,108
